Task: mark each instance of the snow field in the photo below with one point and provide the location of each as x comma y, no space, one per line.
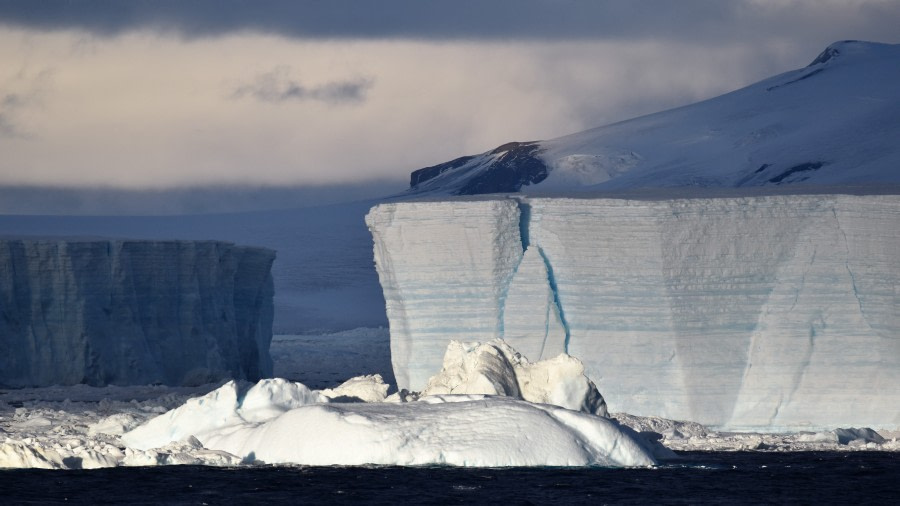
831,123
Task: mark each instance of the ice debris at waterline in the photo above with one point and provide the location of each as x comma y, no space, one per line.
475,412
80,427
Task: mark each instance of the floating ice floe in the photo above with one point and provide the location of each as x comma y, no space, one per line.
475,412
487,407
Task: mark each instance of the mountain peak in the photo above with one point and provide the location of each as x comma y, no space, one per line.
831,123
848,47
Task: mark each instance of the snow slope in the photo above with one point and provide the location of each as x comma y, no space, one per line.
834,122
763,313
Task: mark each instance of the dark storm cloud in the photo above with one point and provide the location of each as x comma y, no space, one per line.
370,19
278,86
815,22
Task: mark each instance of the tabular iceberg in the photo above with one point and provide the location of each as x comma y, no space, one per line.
755,312
133,312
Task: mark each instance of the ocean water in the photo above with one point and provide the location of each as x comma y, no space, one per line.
697,477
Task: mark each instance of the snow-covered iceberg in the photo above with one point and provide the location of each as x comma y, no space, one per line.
453,422
495,368
133,312
746,312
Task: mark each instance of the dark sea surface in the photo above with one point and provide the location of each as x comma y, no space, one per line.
697,477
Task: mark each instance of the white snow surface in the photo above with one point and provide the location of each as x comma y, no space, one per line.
469,431
495,368
761,313
834,122
487,407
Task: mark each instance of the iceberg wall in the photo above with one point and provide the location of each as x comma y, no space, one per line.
133,312
444,272
763,312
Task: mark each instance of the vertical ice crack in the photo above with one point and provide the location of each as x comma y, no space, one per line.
847,263
554,289
524,209
524,222
524,215
803,280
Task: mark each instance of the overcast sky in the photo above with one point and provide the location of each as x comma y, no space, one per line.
159,94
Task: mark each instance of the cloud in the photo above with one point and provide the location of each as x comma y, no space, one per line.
10,103
277,86
19,94
685,20
145,110
169,93
7,127
467,19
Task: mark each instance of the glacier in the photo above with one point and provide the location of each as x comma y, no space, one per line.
123,312
743,312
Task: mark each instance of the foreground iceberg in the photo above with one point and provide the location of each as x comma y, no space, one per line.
80,427
495,368
765,313
455,430
133,312
277,421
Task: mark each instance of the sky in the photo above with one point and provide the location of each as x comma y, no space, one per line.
157,94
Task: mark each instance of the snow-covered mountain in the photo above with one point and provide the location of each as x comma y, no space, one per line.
834,122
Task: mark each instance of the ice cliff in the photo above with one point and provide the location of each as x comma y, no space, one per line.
133,312
754,312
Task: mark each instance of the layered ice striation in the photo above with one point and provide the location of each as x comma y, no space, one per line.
133,312
444,272
758,312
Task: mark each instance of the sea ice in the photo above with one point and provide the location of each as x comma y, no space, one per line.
79,427
473,431
472,414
